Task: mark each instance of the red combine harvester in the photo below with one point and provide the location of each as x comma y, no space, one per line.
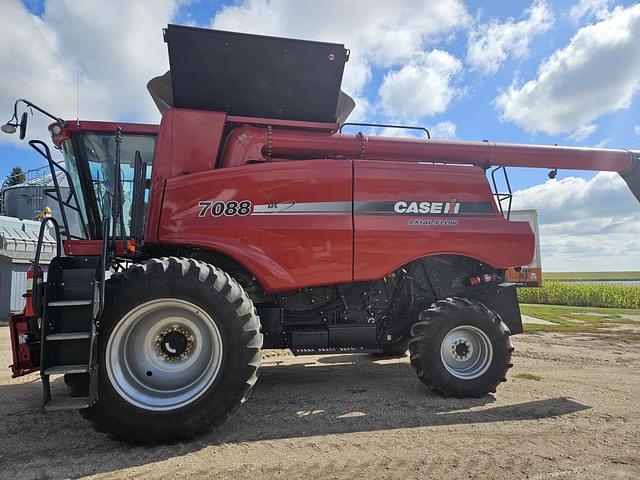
248,220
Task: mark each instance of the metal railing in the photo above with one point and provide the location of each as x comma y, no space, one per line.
36,300
35,180
71,202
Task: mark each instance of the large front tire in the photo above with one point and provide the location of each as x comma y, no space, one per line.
179,351
460,348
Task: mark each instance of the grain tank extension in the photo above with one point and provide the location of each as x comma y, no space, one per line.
248,220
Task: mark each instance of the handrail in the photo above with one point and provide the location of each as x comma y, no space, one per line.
384,125
35,301
38,145
43,149
103,264
500,197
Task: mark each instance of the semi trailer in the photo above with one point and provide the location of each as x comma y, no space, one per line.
249,219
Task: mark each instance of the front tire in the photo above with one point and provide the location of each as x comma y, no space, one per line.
179,351
460,348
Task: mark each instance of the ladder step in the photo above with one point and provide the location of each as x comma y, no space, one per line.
68,336
69,303
67,403
64,369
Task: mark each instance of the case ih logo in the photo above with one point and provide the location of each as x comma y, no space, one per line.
452,207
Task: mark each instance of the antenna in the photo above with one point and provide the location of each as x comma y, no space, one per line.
78,95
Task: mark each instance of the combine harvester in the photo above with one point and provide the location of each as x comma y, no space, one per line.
247,220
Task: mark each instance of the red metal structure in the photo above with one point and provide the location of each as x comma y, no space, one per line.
227,231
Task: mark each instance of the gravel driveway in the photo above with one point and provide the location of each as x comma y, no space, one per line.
336,416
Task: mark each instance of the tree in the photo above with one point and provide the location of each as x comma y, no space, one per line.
16,177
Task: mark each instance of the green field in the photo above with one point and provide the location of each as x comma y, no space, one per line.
624,322
591,276
582,295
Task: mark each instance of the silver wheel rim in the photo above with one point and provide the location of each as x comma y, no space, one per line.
466,352
164,354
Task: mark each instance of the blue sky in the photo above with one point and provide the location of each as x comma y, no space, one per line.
473,114
411,62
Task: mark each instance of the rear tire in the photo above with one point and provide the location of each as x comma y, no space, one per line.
179,351
460,348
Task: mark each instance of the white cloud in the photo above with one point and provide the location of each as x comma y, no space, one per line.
379,33
117,46
588,9
596,73
575,198
444,130
490,44
583,133
637,129
423,86
606,247
585,224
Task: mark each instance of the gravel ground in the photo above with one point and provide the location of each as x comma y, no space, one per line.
334,417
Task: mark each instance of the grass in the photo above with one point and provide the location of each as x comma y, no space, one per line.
582,295
579,319
529,376
591,276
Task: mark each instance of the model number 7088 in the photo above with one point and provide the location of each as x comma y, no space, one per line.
227,209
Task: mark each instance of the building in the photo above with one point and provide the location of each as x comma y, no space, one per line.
26,200
18,241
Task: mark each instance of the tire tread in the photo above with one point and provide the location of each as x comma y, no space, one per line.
104,420
425,329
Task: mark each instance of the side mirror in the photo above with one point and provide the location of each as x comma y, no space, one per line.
23,125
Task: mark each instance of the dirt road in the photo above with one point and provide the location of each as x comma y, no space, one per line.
334,417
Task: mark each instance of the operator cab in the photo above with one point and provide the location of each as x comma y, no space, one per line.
89,150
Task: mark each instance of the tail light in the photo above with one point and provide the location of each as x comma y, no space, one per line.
486,278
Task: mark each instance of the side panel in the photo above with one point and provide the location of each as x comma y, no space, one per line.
404,211
188,142
297,231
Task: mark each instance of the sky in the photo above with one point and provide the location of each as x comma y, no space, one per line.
542,71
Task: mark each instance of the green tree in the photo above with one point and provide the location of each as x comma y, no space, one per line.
16,176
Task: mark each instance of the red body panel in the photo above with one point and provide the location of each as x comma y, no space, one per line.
78,248
306,199
91,126
283,250
24,361
385,242
188,142
19,332
300,231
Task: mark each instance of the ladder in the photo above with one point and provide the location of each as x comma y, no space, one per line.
69,307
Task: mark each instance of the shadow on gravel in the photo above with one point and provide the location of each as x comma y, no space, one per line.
337,394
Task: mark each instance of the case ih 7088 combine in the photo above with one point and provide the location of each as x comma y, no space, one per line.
247,220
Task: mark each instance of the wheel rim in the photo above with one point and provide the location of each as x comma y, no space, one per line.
466,352
164,354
